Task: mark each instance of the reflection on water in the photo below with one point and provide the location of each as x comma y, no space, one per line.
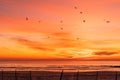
60,65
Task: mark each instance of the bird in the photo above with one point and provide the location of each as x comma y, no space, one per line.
61,21
107,21
48,37
75,7
77,38
81,12
84,21
61,28
26,18
39,21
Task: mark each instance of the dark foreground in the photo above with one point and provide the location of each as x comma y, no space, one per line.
45,75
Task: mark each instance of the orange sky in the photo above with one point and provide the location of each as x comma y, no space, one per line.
94,39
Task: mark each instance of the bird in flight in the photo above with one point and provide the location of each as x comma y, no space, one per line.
26,18
39,21
75,7
107,21
81,12
48,37
61,21
77,38
84,21
61,28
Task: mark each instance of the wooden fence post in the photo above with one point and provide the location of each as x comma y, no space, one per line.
77,76
15,75
97,75
61,75
116,76
30,76
2,74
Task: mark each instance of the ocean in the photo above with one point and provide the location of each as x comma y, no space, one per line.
60,65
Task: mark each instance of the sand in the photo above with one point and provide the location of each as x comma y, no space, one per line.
48,75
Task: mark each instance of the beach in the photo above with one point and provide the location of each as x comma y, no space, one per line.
51,70
51,75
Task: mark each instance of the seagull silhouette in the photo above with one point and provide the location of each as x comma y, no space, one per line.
61,28
26,18
75,7
81,12
48,36
39,21
84,21
107,21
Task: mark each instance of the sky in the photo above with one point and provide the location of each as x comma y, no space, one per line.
59,30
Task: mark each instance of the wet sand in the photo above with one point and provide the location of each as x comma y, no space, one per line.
48,75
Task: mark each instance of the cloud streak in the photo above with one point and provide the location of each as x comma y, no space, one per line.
33,44
105,53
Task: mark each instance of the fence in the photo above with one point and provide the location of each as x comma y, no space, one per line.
45,75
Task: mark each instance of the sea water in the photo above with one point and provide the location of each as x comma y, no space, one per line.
60,65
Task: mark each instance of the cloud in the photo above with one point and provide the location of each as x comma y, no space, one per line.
33,44
105,53
59,45
41,40
59,49
65,54
61,34
64,39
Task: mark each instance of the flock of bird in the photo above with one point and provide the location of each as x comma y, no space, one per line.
61,21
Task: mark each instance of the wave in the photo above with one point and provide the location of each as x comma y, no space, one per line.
66,67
